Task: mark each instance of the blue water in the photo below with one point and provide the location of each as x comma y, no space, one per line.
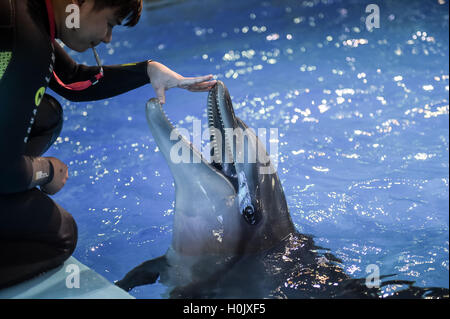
362,119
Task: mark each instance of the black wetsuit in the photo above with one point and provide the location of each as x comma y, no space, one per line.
36,234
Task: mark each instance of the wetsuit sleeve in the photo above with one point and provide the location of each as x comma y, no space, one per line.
117,79
23,173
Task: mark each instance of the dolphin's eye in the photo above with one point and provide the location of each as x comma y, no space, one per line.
245,201
249,215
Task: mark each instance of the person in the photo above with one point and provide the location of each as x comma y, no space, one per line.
36,233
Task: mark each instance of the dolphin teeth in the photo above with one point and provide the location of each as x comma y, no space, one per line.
212,119
215,120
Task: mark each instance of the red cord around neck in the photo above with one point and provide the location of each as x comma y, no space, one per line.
77,86
51,18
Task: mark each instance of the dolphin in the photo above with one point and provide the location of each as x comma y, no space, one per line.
215,223
233,236
210,220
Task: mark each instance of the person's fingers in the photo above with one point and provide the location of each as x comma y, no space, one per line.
160,93
200,89
186,82
203,85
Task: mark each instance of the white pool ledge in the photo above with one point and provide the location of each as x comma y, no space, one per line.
53,285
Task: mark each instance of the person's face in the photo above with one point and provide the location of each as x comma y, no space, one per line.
95,27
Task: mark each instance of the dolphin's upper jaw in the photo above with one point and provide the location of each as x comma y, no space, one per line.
221,116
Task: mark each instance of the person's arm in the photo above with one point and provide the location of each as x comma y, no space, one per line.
117,79
20,173
122,78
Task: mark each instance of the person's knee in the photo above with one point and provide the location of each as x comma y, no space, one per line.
54,114
49,118
46,128
73,238
68,234
72,244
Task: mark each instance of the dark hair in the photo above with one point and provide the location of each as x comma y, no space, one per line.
127,10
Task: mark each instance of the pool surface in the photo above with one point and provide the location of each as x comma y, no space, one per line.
362,121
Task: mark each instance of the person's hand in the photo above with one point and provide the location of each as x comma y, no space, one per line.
162,78
60,176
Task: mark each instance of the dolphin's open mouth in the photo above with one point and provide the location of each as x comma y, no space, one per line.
223,124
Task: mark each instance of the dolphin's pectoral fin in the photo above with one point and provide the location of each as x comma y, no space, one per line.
145,274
